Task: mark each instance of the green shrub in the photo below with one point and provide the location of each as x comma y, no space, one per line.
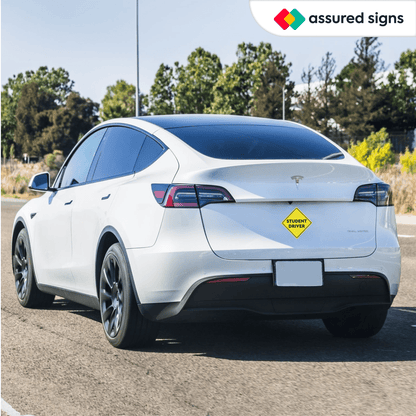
381,157
408,161
20,178
374,152
54,160
50,160
5,151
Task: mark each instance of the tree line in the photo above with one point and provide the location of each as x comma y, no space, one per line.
42,113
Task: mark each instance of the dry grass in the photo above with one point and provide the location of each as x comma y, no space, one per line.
404,189
15,177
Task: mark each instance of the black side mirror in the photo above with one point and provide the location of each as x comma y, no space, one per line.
40,182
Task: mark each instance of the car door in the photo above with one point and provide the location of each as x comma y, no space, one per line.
52,224
113,167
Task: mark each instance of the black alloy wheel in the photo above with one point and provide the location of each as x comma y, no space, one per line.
27,291
112,296
20,267
124,325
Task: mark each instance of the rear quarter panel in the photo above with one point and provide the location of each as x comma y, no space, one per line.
135,214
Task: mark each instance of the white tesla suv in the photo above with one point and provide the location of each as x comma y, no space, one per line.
202,217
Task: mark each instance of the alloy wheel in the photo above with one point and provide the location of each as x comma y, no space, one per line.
21,268
112,296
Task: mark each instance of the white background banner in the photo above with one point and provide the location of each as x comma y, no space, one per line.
336,18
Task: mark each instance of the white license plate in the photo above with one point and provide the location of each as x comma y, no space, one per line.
298,273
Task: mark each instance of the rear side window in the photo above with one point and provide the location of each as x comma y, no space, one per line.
76,170
118,152
256,142
151,150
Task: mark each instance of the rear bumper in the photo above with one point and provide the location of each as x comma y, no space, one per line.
259,297
167,274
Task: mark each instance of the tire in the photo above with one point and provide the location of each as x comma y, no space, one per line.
124,325
27,291
357,323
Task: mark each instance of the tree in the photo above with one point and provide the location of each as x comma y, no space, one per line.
325,94
68,123
307,101
161,97
43,126
268,98
359,97
367,57
185,88
317,105
32,117
55,82
195,82
120,101
236,86
401,91
360,109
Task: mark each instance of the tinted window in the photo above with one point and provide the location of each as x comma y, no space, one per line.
118,152
256,142
151,150
76,170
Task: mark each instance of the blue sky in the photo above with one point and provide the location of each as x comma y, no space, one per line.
95,40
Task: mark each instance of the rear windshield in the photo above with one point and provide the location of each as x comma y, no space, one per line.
256,142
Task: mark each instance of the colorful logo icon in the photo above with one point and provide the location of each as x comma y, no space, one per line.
293,19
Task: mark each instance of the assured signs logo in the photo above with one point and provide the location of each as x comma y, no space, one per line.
336,18
293,19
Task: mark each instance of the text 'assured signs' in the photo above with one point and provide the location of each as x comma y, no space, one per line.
336,18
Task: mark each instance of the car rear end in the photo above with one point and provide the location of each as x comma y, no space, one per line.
309,234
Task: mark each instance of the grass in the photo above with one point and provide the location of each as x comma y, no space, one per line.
404,189
15,177
24,196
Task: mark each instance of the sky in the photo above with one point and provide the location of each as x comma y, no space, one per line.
95,40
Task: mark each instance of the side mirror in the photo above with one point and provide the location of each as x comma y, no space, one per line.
40,182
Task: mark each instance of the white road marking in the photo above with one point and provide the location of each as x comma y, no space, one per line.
5,407
405,236
406,310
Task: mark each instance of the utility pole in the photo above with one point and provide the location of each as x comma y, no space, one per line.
137,42
283,89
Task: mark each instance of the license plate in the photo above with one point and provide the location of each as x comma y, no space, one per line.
298,273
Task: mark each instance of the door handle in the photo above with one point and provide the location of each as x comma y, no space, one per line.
68,203
105,197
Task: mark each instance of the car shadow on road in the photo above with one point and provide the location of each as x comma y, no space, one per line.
61,304
278,340
295,340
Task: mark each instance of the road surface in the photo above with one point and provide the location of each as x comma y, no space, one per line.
58,362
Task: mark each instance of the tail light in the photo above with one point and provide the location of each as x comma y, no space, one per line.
189,196
212,195
379,194
181,196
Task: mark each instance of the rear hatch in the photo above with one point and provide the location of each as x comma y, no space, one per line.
289,210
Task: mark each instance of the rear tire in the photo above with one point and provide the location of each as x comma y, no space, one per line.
124,325
27,291
358,323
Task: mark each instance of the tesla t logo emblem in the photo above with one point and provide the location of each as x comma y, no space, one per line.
297,179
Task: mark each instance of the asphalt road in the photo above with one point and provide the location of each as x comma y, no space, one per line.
58,362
